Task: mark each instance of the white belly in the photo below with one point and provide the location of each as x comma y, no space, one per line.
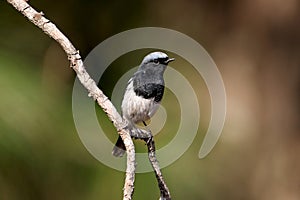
136,108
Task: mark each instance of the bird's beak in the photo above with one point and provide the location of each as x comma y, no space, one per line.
170,60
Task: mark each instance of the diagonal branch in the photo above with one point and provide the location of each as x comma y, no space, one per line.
76,64
147,136
164,190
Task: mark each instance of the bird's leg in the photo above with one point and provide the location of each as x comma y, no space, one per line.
150,137
146,126
144,123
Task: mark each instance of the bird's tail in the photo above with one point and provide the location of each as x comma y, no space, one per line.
119,148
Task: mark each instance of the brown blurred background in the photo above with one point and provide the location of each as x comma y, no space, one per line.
255,44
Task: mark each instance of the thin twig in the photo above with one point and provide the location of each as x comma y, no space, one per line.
76,63
164,190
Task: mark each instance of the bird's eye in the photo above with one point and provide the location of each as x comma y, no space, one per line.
156,61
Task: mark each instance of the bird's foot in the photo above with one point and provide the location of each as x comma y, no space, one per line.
140,133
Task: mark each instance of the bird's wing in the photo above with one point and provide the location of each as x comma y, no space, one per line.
133,76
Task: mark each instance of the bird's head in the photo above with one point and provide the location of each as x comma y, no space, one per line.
155,62
157,58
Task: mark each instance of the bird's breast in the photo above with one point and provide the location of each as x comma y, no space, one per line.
150,90
136,107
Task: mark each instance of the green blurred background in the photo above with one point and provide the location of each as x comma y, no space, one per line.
256,45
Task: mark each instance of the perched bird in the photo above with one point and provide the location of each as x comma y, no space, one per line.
143,94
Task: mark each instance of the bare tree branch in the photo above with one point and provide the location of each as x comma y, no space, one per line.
164,190
76,63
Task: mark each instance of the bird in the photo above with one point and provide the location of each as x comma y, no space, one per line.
143,94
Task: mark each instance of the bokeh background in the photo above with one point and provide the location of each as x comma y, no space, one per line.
255,44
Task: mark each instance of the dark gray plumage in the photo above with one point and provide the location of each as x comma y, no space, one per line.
143,93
